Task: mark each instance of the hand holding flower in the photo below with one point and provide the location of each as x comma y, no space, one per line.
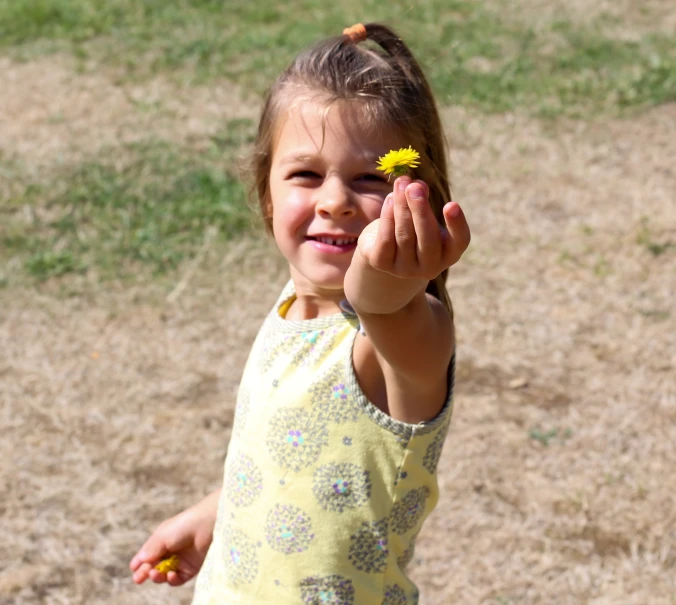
167,565
405,248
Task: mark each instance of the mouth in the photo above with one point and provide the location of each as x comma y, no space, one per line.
334,241
333,245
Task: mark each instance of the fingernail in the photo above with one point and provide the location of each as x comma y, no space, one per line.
416,192
454,211
402,184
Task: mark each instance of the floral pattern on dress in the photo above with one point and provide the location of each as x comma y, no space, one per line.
308,353
241,412
319,454
433,453
332,398
394,595
274,345
368,547
327,590
407,556
288,529
304,349
295,438
409,510
243,480
338,486
239,556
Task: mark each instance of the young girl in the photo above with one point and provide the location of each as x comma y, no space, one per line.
346,397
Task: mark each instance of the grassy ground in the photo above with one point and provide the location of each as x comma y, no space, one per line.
476,53
479,55
133,278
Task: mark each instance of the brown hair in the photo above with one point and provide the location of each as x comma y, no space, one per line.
387,82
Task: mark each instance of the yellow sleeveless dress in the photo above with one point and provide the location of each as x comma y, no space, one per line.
323,493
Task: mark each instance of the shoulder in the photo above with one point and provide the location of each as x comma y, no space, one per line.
413,384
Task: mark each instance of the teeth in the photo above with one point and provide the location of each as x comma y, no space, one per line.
334,242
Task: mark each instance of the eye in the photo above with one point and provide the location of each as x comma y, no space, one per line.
305,174
372,178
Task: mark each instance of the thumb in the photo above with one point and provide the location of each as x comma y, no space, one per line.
152,552
457,237
368,237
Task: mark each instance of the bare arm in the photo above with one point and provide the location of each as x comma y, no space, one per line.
410,333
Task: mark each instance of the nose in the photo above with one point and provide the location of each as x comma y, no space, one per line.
335,199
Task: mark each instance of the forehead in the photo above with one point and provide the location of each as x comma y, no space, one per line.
316,127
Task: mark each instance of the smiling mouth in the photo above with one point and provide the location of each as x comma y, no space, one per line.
335,242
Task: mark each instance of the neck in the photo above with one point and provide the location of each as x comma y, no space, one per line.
312,302
308,307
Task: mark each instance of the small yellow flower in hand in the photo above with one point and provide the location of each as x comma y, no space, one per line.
167,565
399,162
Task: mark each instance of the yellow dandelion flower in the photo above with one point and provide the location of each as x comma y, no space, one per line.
397,163
167,565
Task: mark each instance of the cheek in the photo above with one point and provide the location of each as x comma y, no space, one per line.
291,209
373,208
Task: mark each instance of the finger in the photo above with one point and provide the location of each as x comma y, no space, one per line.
386,236
142,556
428,240
157,576
145,560
141,574
151,552
176,579
458,236
173,578
379,242
135,561
404,230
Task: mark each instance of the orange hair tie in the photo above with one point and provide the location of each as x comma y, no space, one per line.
356,33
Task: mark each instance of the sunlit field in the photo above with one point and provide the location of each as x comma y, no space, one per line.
134,274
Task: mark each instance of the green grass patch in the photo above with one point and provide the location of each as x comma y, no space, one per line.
650,241
473,55
545,437
144,217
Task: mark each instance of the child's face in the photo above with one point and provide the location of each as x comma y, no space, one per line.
325,189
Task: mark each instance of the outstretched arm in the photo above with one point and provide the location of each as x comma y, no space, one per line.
410,332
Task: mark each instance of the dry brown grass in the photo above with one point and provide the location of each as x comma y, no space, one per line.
592,517
116,408
52,114
633,19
